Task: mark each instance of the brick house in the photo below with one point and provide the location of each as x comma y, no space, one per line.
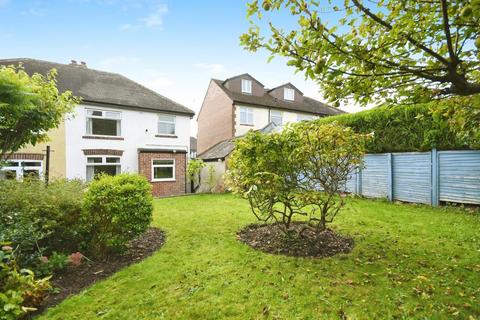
119,126
233,106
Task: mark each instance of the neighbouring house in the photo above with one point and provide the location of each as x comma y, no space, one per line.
119,126
234,106
216,159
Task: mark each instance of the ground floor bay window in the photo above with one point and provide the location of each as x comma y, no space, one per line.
102,165
20,169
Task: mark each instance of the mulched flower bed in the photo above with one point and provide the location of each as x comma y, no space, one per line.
73,279
271,239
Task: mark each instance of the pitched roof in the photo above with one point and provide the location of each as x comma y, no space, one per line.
284,85
308,105
219,150
100,86
222,149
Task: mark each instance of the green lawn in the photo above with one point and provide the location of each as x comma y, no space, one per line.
408,262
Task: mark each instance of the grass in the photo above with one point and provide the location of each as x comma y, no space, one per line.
409,261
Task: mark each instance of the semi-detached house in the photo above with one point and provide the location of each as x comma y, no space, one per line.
119,126
238,104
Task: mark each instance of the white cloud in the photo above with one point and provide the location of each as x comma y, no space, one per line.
213,69
155,19
118,60
34,12
127,27
158,83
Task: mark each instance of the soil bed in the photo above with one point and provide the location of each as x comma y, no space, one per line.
271,239
74,279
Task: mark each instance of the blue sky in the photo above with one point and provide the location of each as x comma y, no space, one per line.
171,46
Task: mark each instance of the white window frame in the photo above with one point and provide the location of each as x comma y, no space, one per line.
248,116
279,114
247,86
88,125
289,94
163,166
174,122
103,163
19,169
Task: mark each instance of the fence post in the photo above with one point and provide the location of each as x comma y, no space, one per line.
434,173
389,177
359,182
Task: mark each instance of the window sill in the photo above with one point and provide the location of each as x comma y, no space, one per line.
166,136
163,180
103,137
246,124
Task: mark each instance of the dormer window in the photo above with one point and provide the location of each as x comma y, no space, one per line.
288,94
247,86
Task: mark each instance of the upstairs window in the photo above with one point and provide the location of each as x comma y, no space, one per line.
104,123
288,94
276,117
246,86
246,116
102,165
166,125
163,170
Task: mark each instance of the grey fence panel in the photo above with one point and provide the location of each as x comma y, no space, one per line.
459,176
412,178
351,185
374,176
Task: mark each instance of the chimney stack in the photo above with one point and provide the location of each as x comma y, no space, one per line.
73,62
83,64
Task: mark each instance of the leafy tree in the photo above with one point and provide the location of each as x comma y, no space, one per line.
29,107
377,51
301,171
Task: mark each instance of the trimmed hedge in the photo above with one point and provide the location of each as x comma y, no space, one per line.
401,129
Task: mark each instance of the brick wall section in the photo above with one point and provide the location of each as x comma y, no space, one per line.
102,152
27,156
163,188
215,120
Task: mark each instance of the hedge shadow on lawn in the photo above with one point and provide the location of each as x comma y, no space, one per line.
270,238
73,279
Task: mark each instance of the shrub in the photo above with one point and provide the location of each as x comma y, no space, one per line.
194,169
116,209
402,128
49,265
39,220
300,171
20,291
327,155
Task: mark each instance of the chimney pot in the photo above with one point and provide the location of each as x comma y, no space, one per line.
83,64
73,62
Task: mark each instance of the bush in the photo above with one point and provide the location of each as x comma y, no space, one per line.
300,171
38,220
402,129
116,209
20,291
